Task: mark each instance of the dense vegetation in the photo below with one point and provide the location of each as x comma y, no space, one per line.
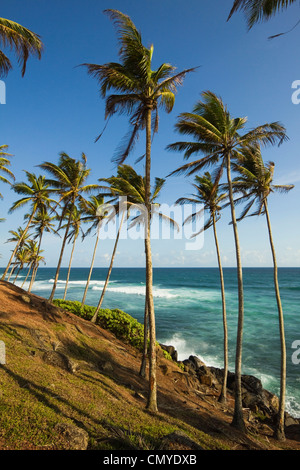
118,322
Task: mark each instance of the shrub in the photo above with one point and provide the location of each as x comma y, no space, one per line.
118,322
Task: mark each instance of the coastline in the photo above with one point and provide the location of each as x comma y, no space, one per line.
50,349
188,308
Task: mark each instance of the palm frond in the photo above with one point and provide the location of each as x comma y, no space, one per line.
258,10
22,41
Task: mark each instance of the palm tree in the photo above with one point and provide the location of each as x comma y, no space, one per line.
218,136
32,248
255,182
21,258
140,92
73,234
36,262
4,163
35,258
22,41
261,10
35,192
17,235
43,223
132,188
93,211
208,195
69,180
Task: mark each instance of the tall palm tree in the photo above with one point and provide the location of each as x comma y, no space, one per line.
255,182
93,211
73,234
4,164
36,193
22,41
69,178
140,92
131,186
219,137
207,193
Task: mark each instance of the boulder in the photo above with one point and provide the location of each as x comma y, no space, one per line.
57,359
75,437
171,350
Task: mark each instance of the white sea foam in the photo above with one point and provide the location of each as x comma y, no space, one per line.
139,290
184,350
78,283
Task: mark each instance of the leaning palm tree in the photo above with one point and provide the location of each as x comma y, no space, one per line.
94,212
208,195
21,258
219,138
4,164
69,181
140,91
43,222
35,258
18,237
36,193
74,232
36,262
33,250
256,11
255,182
22,41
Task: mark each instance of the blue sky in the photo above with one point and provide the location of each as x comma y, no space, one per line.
56,107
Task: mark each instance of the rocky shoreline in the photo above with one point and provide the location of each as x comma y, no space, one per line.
260,403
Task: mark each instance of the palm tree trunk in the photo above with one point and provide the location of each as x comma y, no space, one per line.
35,266
145,345
60,258
34,271
29,269
280,434
90,273
16,276
223,394
238,420
94,318
69,270
152,396
11,271
18,243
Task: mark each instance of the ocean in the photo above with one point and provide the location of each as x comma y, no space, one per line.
189,314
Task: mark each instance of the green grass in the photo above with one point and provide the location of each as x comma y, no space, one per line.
35,396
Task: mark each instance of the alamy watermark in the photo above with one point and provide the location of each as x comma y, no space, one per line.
2,353
296,354
296,93
2,92
173,222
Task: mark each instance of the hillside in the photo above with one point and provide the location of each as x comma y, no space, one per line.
70,384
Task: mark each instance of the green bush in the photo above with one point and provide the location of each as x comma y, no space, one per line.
118,322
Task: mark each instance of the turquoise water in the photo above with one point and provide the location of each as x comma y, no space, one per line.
189,314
